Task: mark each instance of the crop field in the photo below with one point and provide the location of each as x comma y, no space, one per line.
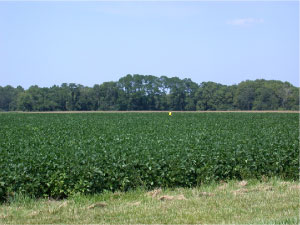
58,155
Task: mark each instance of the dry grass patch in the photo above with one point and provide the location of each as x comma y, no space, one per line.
255,203
135,203
243,183
295,187
170,197
3,216
240,191
97,205
223,186
154,193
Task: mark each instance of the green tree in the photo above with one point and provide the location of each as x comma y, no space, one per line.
107,96
25,102
245,95
210,96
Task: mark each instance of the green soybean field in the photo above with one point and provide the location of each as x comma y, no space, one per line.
59,154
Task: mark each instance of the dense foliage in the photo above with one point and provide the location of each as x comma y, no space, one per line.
139,92
62,154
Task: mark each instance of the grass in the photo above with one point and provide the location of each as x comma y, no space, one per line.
252,202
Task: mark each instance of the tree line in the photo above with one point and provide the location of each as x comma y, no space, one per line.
147,92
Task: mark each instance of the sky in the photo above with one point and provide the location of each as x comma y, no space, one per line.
50,43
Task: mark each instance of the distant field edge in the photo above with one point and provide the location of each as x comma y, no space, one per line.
149,111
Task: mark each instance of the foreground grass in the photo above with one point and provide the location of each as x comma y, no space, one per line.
251,202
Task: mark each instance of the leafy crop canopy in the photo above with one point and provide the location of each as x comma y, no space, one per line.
61,154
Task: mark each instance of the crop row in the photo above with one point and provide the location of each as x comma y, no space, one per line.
58,155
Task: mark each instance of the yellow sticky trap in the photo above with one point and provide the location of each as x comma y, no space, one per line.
170,113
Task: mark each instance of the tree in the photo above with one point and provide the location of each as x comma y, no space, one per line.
8,97
86,100
177,95
209,96
107,96
25,102
148,92
245,95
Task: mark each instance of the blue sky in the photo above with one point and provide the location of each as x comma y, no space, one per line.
47,43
